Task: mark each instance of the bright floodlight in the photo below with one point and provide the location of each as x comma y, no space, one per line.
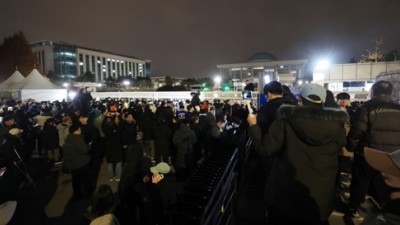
322,64
126,82
217,80
72,94
267,79
300,82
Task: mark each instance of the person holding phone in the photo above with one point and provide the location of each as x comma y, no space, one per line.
160,194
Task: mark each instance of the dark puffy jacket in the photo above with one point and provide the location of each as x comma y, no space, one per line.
50,137
375,124
268,113
183,139
112,131
303,144
76,152
129,133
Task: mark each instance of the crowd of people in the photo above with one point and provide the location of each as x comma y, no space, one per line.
143,143
298,145
152,147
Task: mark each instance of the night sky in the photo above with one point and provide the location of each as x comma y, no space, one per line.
188,38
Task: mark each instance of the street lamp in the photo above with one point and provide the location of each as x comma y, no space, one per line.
217,82
322,64
126,83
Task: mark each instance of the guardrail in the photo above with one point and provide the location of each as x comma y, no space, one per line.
208,195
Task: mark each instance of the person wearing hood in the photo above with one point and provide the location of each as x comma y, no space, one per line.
300,189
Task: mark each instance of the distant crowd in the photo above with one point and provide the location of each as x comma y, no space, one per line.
301,146
150,147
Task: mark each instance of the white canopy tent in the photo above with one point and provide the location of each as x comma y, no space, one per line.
37,87
15,78
14,81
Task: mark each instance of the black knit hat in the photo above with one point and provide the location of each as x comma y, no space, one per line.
73,128
273,87
342,95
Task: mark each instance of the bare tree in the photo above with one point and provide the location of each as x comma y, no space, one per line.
377,54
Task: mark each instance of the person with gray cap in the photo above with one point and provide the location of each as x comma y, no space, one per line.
304,142
376,124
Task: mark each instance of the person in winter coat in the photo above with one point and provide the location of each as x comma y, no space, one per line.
195,99
300,188
147,125
184,139
7,124
51,140
198,146
13,155
63,129
162,136
389,166
77,159
160,195
133,150
112,127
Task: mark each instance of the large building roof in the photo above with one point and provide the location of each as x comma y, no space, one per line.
262,56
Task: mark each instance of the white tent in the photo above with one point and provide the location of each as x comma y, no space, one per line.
37,87
14,79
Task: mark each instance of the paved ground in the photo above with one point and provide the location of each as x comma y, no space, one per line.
51,204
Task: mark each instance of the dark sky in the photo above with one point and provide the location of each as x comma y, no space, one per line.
190,37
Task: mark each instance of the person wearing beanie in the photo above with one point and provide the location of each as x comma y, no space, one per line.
303,175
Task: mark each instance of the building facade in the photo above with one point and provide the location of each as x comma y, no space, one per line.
263,67
353,76
70,61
